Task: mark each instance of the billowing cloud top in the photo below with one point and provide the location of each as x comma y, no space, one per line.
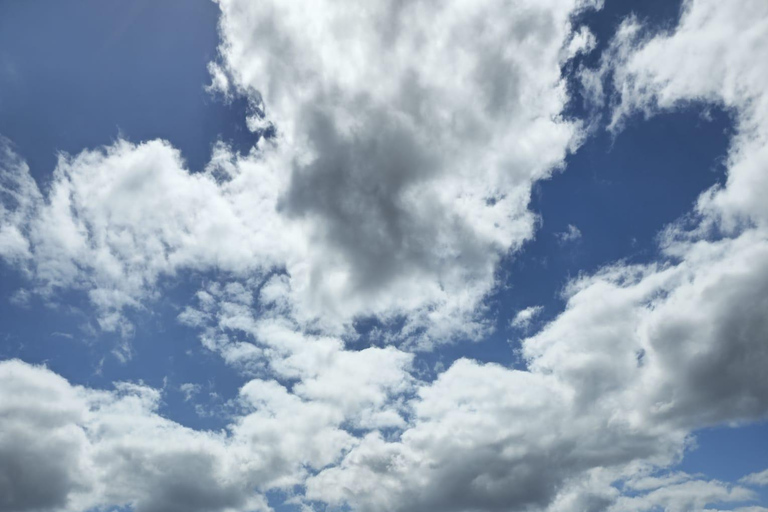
399,145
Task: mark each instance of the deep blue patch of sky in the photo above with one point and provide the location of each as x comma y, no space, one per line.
76,75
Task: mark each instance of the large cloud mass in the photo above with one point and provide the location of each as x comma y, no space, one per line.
404,139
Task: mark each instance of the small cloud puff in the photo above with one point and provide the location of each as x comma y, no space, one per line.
524,317
569,235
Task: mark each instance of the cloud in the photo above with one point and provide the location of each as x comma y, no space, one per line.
641,357
420,128
66,447
19,198
407,139
760,478
484,437
117,220
691,334
190,390
69,448
648,352
702,299
39,441
361,384
582,41
569,235
689,495
524,317
115,450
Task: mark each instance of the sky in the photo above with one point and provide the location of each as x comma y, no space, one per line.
394,256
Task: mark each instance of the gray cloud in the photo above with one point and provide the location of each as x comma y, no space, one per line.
398,176
41,451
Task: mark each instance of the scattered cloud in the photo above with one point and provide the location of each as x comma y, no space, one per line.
569,235
760,478
190,390
524,317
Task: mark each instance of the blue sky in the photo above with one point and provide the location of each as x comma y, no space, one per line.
372,280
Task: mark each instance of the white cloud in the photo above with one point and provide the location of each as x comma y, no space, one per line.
648,352
569,235
117,220
703,306
408,139
582,41
359,384
760,478
485,437
190,390
641,357
39,440
19,198
418,130
65,447
524,317
682,497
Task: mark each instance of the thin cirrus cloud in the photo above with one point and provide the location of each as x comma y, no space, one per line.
405,138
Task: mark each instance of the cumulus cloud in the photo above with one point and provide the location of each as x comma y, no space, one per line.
406,139
114,449
39,440
707,296
65,447
418,129
524,317
361,384
649,352
641,358
760,478
118,219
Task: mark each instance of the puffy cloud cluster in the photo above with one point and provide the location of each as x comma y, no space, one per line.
642,355
417,129
640,358
64,447
405,138
704,303
115,221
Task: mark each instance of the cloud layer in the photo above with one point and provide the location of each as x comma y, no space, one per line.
404,139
